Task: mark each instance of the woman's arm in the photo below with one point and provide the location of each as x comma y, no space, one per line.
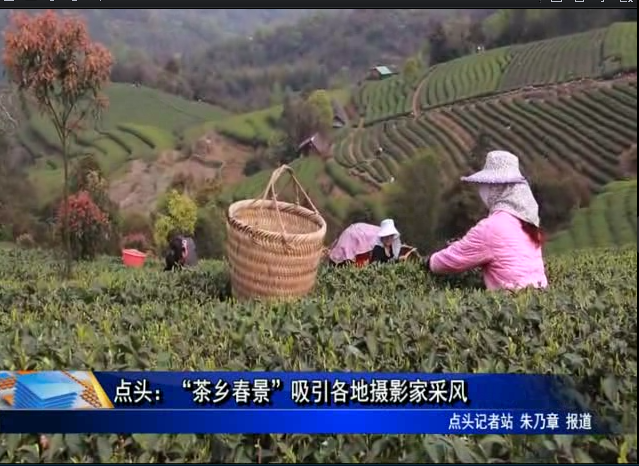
472,251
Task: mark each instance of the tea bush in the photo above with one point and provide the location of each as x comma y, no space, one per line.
390,319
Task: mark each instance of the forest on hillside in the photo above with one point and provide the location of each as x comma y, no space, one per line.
321,50
326,50
161,33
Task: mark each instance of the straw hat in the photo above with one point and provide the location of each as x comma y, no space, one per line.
387,228
501,167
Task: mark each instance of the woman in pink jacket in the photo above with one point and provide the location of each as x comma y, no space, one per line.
506,245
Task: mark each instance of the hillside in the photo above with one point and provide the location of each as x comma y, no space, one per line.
571,101
317,52
256,128
328,50
162,32
140,123
610,220
600,53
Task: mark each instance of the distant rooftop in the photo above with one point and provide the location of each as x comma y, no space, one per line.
384,70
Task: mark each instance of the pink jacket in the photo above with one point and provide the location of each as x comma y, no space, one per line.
498,244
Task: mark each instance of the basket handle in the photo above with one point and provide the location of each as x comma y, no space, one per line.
270,187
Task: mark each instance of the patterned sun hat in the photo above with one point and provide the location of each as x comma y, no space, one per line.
501,167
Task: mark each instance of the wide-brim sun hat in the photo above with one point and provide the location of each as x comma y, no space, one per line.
501,167
387,228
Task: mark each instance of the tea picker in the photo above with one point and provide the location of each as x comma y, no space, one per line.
181,253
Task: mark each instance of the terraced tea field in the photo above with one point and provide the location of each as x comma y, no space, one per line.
254,128
601,53
378,100
610,220
586,130
139,123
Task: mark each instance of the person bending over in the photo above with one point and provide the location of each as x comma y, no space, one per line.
506,245
176,255
389,245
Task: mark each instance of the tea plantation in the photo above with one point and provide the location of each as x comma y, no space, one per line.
390,319
600,53
584,129
611,219
139,123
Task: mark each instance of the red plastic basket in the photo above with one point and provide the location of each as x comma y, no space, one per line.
133,258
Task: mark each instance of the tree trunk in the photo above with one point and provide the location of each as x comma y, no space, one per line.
68,260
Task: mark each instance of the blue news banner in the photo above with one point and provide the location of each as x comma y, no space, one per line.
289,403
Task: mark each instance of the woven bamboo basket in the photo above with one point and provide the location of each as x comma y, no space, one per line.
274,248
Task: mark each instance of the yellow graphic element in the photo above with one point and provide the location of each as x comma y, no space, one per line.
104,400
93,393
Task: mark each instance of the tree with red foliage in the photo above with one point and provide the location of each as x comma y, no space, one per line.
88,227
52,59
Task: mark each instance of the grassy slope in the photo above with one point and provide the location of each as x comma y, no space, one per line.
253,127
610,220
139,123
595,54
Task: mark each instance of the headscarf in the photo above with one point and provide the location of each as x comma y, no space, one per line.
516,199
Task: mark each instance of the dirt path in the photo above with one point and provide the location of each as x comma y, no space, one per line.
212,156
416,104
546,91
549,91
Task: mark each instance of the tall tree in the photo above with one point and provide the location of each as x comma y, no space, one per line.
301,118
415,201
411,70
53,60
320,101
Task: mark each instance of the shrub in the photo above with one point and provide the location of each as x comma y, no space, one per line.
559,193
79,179
89,226
177,213
256,164
207,191
414,201
6,233
461,210
210,233
136,241
87,175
